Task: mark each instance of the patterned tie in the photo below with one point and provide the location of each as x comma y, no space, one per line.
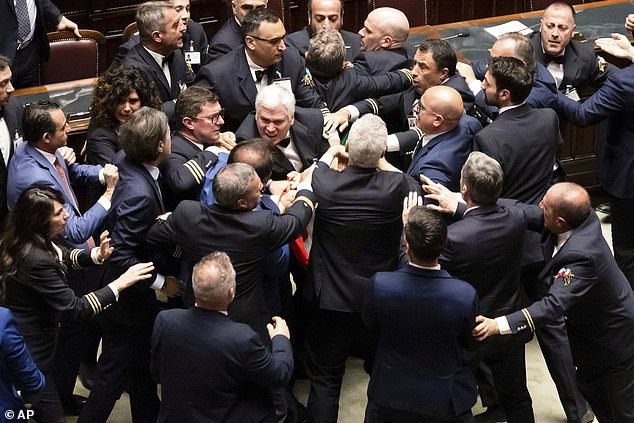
24,23
69,194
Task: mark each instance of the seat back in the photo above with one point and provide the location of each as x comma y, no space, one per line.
74,58
129,31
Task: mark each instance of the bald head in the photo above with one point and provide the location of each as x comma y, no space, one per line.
440,110
514,44
557,28
384,28
566,205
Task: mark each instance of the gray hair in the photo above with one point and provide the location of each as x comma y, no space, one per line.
326,53
141,134
483,177
367,141
212,278
523,48
150,17
274,95
232,184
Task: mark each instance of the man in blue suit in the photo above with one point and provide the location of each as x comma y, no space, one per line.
40,161
448,134
614,101
423,377
228,371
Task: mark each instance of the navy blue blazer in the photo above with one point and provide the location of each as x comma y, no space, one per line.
227,372
301,41
588,288
614,101
29,167
228,37
18,371
13,118
47,13
381,61
422,320
238,97
442,158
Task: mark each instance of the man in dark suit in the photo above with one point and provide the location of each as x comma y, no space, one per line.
325,14
586,286
158,54
415,300
229,370
127,325
230,35
198,118
384,44
485,248
296,144
572,64
10,129
354,237
616,166
23,36
448,136
255,66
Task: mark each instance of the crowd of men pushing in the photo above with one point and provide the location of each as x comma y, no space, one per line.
285,101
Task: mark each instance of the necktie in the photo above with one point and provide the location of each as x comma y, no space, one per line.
259,74
557,59
24,23
167,60
285,142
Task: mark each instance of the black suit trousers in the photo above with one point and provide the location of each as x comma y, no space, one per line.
621,212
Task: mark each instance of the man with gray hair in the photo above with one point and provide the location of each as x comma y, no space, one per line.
296,142
356,234
215,382
158,54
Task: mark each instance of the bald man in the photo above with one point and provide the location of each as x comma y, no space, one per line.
384,42
587,287
447,139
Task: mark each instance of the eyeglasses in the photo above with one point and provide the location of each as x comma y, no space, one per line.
271,41
213,118
418,107
249,7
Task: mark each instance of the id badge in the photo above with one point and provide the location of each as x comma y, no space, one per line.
284,82
411,122
192,57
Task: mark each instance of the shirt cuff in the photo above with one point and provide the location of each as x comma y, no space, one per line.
93,255
105,203
304,185
215,149
354,113
102,179
503,325
327,158
114,290
392,143
158,282
475,86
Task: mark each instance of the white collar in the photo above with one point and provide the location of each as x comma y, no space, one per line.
418,266
50,157
158,57
505,108
154,171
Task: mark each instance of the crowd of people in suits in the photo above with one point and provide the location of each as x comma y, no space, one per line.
366,197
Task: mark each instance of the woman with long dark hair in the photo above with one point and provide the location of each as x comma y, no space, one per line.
33,266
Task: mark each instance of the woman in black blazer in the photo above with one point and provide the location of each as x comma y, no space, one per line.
33,266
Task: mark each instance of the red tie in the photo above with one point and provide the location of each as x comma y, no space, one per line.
69,193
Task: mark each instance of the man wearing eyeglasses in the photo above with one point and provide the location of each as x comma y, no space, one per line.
255,65
195,145
229,36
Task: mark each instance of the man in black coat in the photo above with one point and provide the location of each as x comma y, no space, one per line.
10,129
159,53
325,14
228,369
230,35
587,287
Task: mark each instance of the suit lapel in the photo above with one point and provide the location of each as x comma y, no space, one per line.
154,184
61,186
154,66
422,151
300,137
247,85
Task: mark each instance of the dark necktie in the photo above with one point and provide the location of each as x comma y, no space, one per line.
167,60
550,58
24,23
285,142
259,74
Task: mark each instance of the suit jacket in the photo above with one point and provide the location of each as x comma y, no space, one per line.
581,68
524,141
614,102
184,170
180,75
136,203
228,37
301,41
102,145
381,61
408,368
238,97
354,235
29,167
18,371
47,13
485,247
38,294
307,139
587,287
228,369
13,119
441,159
246,236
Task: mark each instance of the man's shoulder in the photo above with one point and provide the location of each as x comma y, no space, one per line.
299,39
182,146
